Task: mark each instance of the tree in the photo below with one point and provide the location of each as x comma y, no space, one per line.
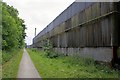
0,25
13,28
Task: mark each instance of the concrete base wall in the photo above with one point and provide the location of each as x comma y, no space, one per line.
99,54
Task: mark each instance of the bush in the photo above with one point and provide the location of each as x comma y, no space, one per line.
49,52
48,48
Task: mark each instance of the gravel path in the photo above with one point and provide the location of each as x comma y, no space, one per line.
27,68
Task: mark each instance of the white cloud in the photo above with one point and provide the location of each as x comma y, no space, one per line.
38,13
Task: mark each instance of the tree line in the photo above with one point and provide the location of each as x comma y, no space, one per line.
13,28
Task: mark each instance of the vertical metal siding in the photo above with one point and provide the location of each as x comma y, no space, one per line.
66,31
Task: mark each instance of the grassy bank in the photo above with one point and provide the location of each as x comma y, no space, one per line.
7,55
69,67
10,66
0,64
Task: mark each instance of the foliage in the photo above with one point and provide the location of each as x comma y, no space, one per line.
69,67
6,56
11,67
48,50
0,37
13,28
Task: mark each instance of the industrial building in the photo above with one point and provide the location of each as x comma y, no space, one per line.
85,28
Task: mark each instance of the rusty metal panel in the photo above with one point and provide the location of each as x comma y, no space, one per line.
50,33
58,40
56,30
88,13
50,26
88,4
97,34
65,15
63,40
68,24
115,30
85,35
93,34
62,27
90,35
69,33
73,38
76,37
96,10
106,38
54,41
80,6
105,7
69,38
118,23
81,17
76,20
87,38
112,6
81,37
73,21
99,31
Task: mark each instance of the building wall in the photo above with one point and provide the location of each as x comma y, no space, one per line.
87,26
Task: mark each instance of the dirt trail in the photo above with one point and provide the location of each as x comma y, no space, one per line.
27,68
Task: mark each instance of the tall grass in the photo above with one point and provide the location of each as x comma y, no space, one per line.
69,67
10,66
7,55
0,64
0,57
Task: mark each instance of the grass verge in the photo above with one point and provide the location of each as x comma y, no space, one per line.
0,64
10,68
69,67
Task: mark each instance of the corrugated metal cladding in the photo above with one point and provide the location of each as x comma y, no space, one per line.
65,15
83,24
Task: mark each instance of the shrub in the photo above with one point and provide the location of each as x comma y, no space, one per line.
48,48
49,52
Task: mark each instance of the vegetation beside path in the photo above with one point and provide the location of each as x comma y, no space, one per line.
69,67
10,67
12,40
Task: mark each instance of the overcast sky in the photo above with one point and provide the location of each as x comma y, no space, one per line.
38,13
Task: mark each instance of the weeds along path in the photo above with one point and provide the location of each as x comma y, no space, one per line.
27,68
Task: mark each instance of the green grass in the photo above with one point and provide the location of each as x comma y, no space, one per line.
10,68
69,67
0,64
7,55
